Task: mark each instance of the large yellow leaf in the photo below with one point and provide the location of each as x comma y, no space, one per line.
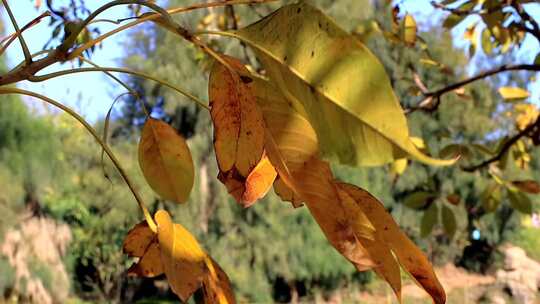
410,257
238,123
329,75
166,161
291,145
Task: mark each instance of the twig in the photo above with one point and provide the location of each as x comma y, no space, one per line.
24,47
14,36
94,133
507,145
434,96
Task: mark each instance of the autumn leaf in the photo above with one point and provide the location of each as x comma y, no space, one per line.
409,30
314,63
291,144
248,190
165,160
238,122
175,252
513,93
409,256
529,186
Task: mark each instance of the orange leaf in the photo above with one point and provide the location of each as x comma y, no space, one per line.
410,257
385,264
292,148
177,253
138,239
248,190
238,122
217,286
166,161
149,264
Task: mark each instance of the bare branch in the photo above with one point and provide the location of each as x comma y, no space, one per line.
435,96
24,47
507,145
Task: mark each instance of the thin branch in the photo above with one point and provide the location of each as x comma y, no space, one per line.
14,36
507,145
24,47
120,70
434,96
94,133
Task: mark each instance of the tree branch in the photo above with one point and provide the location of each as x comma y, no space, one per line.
507,145
432,99
24,47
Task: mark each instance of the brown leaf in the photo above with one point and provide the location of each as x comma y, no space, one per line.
410,257
149,265
528,186
166,161
238,122
138,239
453,199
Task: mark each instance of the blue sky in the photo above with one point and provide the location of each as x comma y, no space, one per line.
92,93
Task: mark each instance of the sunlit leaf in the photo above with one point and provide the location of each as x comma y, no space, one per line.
175,252
409,30
182,257
248,190
166,161
332,78
291,145
409,256
238,123
513,93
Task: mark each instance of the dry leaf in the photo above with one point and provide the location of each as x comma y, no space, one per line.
165,160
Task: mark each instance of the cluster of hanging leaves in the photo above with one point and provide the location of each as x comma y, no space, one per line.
324,96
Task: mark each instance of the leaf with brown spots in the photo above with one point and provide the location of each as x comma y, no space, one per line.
238,122
175,252
165,160
411,258
149,265
292,148
248,190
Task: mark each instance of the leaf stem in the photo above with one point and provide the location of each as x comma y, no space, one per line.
93,132
120,70
18,32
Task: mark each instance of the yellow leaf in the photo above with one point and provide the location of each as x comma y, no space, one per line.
513,93
291,145
182,257
248,190
399,166
341,86
409,256
217,286
166,161
238,123
409,30
175,252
